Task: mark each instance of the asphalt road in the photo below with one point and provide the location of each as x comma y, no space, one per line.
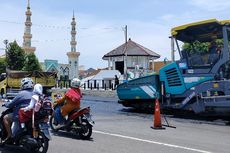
119,130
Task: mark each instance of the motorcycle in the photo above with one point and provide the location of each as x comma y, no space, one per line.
77,121
35,136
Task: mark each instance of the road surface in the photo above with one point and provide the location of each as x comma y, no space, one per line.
120,130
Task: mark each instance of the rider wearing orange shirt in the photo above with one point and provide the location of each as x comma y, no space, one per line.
69,102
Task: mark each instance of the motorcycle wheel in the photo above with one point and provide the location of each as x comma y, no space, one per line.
43,144
1,136
52,125
86,130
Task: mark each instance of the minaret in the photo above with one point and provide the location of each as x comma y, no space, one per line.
27,33
73,55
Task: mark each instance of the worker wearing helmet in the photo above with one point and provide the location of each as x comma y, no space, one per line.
69,102
21,100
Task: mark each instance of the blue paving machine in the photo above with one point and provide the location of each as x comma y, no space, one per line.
199,81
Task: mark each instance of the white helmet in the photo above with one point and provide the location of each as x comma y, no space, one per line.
75,83
27,83
38,89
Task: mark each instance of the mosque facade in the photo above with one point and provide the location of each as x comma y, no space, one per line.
64,71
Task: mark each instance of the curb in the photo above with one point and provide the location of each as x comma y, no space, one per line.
99,99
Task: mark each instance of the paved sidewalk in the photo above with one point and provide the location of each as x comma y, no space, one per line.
100,95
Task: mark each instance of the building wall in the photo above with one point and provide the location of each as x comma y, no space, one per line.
158,65
61,69
132,61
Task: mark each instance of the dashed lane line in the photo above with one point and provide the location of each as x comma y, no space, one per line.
153,142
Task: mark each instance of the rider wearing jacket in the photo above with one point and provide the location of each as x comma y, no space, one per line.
69,102
21,100
25,114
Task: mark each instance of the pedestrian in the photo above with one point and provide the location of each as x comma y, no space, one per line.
116,81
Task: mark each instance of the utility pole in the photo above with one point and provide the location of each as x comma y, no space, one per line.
6,46
125,51
126,33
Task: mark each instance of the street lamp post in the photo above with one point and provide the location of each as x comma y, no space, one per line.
125,56
6,45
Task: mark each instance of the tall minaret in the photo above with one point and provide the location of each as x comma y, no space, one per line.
27,33
73,55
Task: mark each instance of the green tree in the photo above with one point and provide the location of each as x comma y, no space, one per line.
199,47
2,65
31,63
196,47
15,56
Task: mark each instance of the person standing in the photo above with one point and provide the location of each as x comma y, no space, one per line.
116,81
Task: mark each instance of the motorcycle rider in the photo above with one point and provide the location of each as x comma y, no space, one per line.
21,100
69,102
25,114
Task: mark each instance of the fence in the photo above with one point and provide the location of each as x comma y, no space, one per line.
105,84
63,83
99,84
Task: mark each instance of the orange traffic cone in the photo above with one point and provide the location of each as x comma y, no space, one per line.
157,116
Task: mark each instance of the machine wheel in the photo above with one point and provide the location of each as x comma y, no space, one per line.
43,144
52,125
86,130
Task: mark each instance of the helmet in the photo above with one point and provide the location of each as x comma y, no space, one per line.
27,83
38,89
75,83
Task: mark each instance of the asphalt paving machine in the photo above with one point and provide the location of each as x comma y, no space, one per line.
198,82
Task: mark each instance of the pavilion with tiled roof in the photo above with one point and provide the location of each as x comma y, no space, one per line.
130,56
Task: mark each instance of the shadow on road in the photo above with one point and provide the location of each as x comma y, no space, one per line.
12,149
69,135
179,114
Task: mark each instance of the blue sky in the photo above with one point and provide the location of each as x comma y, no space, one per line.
100,23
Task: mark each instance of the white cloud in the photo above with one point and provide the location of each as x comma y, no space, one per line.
211,5
167,17
94,38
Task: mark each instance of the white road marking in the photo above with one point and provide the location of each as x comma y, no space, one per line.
150,141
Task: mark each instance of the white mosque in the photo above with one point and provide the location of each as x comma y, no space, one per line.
64,71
